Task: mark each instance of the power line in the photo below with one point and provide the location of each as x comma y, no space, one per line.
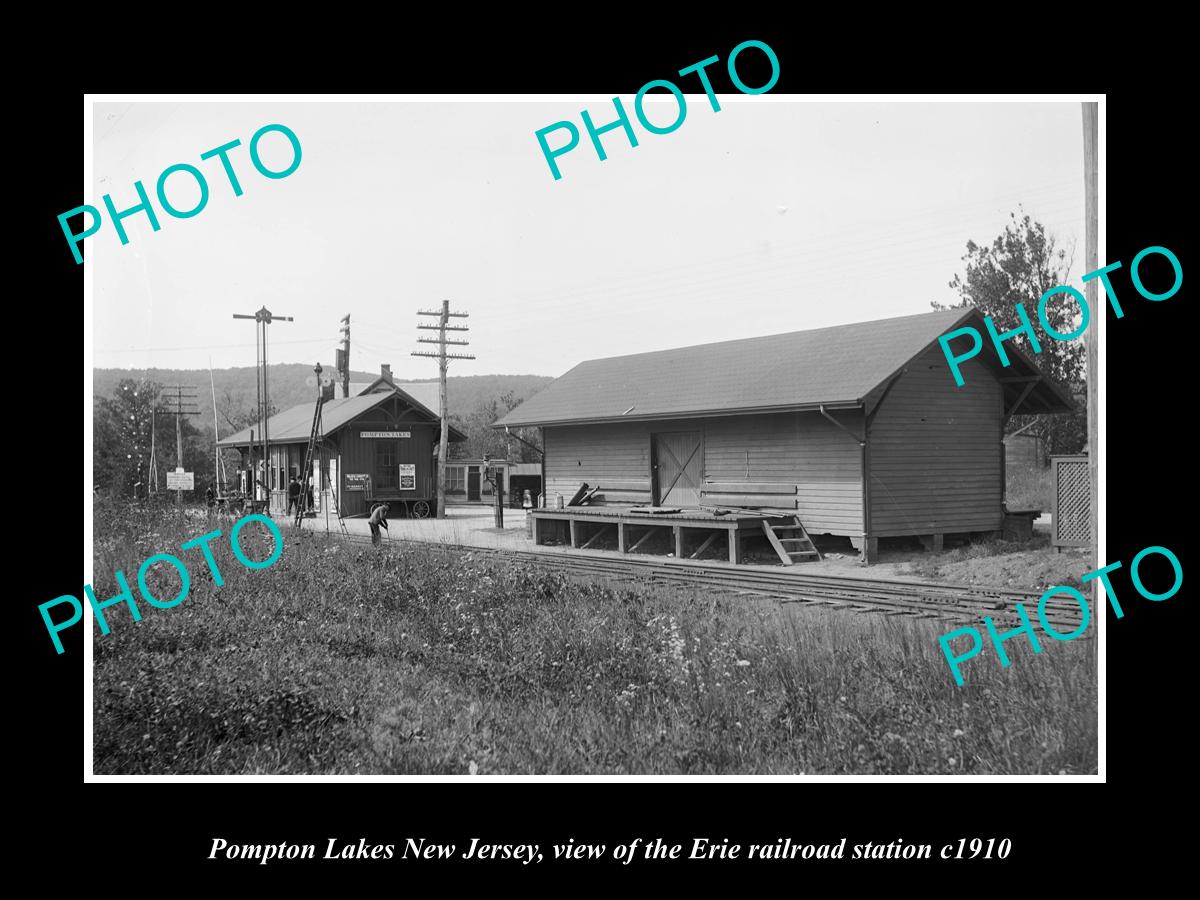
853,236
849,254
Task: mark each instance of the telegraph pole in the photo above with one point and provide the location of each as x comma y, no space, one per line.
152,483
184,396
344,367
444,316
262,319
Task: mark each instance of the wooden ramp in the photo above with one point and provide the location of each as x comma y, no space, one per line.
791,541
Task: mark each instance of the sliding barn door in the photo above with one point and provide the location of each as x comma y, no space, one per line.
679,467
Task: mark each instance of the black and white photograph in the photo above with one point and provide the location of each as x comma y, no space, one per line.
685,434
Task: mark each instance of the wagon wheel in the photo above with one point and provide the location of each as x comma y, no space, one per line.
420,509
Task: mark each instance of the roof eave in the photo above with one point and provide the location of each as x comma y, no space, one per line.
694,414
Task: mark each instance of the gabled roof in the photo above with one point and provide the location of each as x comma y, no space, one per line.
836,366
295,424
426,392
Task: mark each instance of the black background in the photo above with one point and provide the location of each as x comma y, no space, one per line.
168,827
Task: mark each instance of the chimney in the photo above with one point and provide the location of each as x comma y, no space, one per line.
385,372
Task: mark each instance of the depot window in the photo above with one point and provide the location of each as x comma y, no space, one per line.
387,462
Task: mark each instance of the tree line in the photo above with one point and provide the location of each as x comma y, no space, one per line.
133,432
134,424
1022,263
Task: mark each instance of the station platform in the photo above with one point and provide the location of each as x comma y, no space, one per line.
582,526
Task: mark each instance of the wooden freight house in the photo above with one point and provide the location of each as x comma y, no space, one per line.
379,446
857,429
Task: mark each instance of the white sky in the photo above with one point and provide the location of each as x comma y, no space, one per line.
768,216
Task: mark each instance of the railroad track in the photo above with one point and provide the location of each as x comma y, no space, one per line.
918,599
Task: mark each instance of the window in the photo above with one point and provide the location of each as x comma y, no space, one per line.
456,480
387,461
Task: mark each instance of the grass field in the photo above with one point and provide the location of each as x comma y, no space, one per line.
343,658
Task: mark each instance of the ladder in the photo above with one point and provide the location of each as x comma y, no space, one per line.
306,470
314,438
337,508
791,541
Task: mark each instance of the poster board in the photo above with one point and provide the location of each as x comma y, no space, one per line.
408,476
181,481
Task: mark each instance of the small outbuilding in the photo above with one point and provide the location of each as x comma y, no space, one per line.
859,430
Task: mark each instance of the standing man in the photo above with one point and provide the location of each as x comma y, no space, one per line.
378,517
293,495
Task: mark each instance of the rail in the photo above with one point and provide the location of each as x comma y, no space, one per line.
919,599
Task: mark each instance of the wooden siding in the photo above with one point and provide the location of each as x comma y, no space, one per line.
616,457
804,449
749,461
357,454
935,451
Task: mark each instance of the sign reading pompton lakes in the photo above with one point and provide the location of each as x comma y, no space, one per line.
144,204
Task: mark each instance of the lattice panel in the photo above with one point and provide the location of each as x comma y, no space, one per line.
1072,502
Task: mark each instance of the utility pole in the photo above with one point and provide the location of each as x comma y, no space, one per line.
152,483
218,465
184,396
1092,337
344,361
444,316
262,319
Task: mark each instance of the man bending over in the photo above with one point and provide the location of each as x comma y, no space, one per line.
378,517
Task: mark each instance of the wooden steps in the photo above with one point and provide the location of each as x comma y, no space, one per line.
791,541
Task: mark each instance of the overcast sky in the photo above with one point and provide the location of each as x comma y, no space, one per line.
768,216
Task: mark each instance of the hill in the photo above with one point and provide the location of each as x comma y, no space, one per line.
235,388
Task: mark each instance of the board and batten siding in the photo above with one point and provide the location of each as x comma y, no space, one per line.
357,454
801,449
935,452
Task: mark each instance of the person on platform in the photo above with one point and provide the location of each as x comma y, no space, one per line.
377,518
293,495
